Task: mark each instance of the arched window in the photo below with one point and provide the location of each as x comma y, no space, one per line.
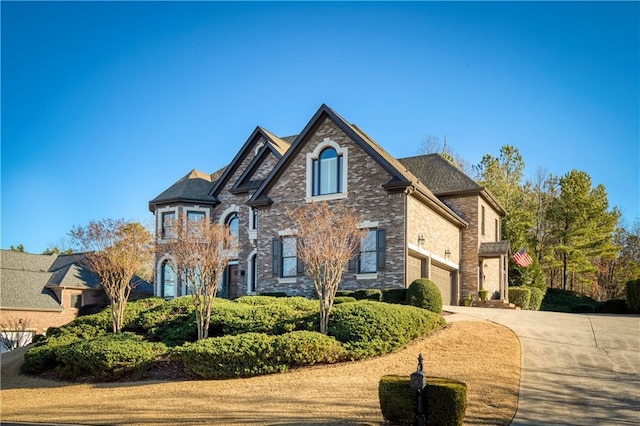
168,280
327,172
233,224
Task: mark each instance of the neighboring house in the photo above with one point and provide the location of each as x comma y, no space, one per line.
425,217
47,290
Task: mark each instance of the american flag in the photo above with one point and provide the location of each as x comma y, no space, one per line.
522,258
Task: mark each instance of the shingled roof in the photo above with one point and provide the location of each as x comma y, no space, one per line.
194,187
27,279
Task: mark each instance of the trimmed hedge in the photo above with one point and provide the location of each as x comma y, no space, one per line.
343,299
424,293
584,308
368,294
370,328
632,290
557,300
444,401
613,306
397,296
535,301
308,348
109,357
520,296
44,355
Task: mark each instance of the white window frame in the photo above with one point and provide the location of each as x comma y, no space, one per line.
159,225
250,277
315,155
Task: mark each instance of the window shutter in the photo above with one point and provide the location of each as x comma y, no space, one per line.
382,248
353,262
276,265
300,267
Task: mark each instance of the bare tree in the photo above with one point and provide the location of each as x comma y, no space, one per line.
119,252
432,145
15,333
201,250
327,238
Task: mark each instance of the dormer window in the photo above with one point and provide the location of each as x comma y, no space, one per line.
327,172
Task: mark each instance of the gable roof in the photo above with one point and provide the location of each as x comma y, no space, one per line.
274,143
27,279
194,187
445,179
401,177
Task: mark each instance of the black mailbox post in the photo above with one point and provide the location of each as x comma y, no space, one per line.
418,383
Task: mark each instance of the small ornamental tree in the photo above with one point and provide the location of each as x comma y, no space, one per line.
201,251
327,238
119,252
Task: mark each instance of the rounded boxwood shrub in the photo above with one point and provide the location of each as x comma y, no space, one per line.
244,355
109,357
520,296
370,328
395,295
424,293
535,300
307,348
444,400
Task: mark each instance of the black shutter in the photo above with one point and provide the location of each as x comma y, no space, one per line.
382,248
276,264
353,263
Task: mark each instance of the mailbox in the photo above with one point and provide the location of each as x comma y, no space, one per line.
418,380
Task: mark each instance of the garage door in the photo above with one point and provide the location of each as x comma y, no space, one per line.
442,278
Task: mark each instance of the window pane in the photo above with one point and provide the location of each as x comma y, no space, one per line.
195,216
232,223
369,241
289,267
167,224
368,262
288,247
328,175
168,281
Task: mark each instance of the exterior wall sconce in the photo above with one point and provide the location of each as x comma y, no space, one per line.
421,240
447,254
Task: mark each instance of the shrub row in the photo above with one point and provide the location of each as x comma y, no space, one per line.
252,354
444,403
387,295
526,297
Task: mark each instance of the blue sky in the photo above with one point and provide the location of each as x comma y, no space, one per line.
106,104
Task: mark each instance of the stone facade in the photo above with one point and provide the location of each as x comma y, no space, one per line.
424,237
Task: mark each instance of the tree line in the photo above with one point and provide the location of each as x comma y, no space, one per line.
578,242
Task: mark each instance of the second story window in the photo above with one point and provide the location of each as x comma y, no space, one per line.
371,257
254,218
327,173
233,224
168,219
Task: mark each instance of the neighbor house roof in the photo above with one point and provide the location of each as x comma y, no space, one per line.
194,187
445,179
27,278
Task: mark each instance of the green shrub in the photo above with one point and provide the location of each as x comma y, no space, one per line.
343,299
172,322
520,296
244,355
424,293
632,291
109,357
277,318
274,294
535,300
368,294
307,348
43,356
370,328
341,293
613,306
444,400
397,296
584,308
558,300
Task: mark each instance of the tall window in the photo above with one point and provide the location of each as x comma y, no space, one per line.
232,223
368,252
497,225
327,173
254,218
168,280
253,273
167,224
289,259
482,218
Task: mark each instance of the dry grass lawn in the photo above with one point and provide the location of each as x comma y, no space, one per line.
484,355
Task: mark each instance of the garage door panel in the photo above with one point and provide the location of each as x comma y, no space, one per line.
443,280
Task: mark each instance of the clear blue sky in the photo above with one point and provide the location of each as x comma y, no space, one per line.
105,105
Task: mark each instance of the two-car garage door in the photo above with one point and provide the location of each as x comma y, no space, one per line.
442,277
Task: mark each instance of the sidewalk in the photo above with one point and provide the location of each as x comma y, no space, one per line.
577,369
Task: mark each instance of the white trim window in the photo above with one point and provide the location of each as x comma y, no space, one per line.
327,172
166,217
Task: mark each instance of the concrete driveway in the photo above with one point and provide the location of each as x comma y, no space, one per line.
577,369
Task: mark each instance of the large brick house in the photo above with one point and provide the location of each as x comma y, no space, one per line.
425,217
